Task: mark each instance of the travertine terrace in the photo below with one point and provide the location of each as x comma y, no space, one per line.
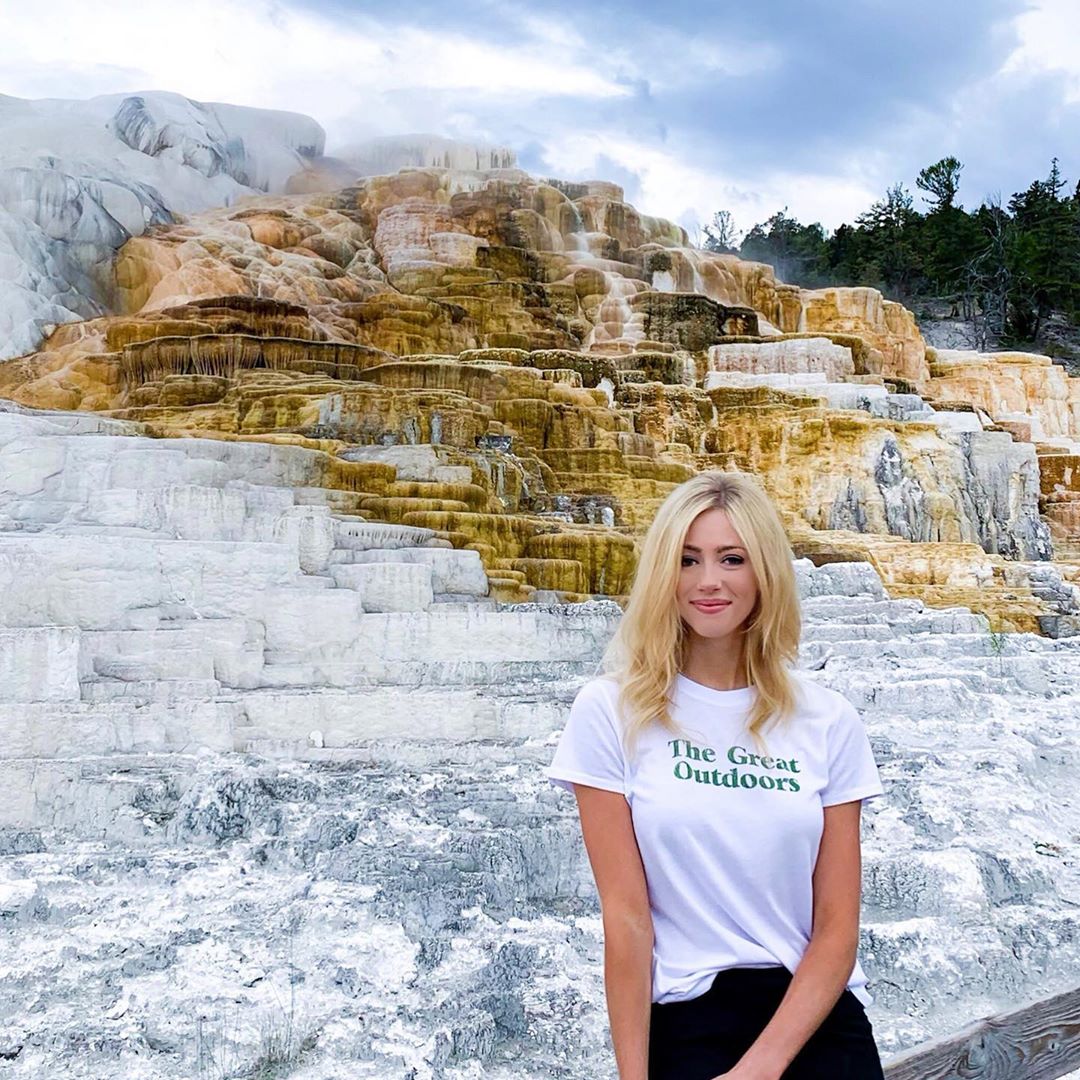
526,368
307,545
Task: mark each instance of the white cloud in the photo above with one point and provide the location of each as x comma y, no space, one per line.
683,192
679,60
344,71
1048,34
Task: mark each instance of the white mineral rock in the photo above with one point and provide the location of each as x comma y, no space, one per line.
78,178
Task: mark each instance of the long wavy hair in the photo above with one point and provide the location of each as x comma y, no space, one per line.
650,644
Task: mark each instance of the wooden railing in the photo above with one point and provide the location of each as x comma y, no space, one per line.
1038,1041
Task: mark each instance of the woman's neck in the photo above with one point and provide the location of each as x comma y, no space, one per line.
718,670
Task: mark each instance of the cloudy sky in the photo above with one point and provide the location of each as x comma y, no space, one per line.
745,105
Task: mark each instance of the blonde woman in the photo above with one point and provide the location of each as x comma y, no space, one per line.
719,791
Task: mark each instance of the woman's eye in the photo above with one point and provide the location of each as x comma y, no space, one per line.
738,561
686,559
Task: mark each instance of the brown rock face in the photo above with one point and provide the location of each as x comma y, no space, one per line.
690,321
529,367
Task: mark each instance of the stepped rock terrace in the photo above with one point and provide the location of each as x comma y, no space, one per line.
306,548
527,367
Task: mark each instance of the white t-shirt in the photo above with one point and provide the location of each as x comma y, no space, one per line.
728,840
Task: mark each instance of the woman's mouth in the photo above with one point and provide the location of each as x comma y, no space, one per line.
711,605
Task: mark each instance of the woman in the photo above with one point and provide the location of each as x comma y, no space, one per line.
728,865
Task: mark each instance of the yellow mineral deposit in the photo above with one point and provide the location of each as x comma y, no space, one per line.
569,361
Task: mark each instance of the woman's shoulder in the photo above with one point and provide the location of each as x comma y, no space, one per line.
601,689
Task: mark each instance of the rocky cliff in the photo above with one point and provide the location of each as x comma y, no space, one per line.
79,178
276,700
271,789
567,360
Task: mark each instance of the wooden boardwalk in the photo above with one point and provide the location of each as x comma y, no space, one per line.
1038,1041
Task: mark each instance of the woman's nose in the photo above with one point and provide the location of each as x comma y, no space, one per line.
711,577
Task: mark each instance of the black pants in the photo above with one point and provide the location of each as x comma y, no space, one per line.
702,1038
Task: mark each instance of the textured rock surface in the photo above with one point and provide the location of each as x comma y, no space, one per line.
246,812
79,178
275,698
564,361
1027,394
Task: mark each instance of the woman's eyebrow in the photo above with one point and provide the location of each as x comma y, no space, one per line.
728,547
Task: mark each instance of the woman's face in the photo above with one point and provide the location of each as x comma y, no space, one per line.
717,586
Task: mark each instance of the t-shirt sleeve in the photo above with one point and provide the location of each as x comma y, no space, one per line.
590,749
853,772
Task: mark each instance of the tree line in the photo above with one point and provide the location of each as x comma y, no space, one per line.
1006,269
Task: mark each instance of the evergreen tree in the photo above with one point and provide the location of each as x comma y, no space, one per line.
1006,269
890,246
941,180
948,236
846,250
988,275
798,252
1046,254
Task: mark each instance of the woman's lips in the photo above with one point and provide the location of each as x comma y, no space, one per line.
711,605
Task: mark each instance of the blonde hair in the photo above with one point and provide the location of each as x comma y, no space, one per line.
649,646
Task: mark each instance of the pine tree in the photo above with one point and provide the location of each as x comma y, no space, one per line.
798,252
890,241
942,180
721,234
1045,255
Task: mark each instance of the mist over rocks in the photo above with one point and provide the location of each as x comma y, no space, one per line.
388,153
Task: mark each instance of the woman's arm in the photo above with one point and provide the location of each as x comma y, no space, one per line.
826,965
628,984
608,832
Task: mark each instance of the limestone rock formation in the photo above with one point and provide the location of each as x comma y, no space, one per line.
271,779
309,537
570,360
79,178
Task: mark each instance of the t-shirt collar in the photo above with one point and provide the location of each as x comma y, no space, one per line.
744,695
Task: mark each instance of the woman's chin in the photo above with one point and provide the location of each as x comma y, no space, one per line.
710,629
